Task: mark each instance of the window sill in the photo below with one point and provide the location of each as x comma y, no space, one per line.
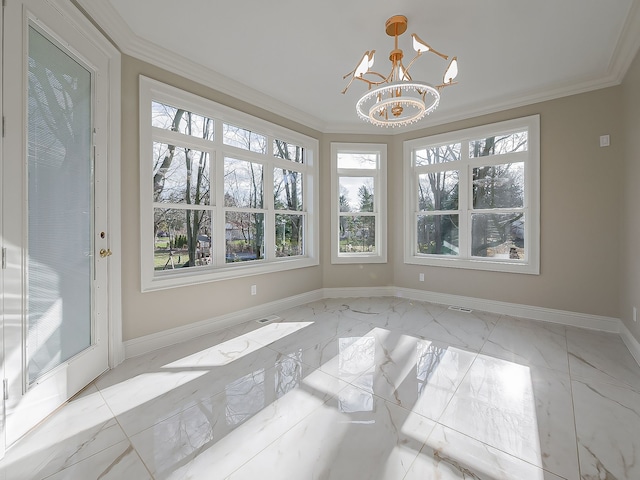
356,258
530,268
166,280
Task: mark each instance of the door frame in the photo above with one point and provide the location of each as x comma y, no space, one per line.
109,150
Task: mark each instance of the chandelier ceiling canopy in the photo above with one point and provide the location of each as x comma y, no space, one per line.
396,100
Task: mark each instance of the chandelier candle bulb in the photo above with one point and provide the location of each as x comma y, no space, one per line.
397,100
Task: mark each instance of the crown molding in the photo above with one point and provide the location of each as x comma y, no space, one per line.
104,15
107,18
628,44
486,108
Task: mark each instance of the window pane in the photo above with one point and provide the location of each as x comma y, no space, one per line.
242,138
182,238
180,175
367,161
244,233
356,194
243,184
499,186
287,189
179,120
499,145
435,155
438,191
498,235
289,231
357,234
288,151
438,234
60,207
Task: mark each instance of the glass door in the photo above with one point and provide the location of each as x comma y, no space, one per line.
59,269
54,202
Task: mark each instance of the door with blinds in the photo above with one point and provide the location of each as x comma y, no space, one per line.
54,199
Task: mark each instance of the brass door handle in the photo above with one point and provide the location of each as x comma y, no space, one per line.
105,253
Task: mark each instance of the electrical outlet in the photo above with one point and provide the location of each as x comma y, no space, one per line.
254,290
422,277
635,314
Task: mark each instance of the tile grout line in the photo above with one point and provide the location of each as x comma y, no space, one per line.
311,412
115,417
573,407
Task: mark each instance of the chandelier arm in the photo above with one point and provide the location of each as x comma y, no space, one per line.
446,57
384,79
442,85
348,85
412,62
368,82
405,72
371,83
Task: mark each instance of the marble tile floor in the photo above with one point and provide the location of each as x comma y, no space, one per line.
365,388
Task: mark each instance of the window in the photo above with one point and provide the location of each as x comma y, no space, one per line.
472,198
223,194
358,203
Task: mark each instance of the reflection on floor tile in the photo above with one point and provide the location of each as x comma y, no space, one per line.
353,425
523,411
379,388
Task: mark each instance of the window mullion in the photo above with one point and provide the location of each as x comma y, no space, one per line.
181,140
219,221
464,205
269,213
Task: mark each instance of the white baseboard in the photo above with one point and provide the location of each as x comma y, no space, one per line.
353,292
582,320
563,317
148,343
630,341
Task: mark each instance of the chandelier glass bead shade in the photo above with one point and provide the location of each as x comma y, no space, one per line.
396,100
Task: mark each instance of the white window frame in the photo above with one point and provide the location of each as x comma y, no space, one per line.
531,158
379,199
152,90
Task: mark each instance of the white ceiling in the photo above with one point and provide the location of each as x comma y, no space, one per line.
289,56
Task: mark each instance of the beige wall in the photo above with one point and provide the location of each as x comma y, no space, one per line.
146,313
630,183
351,275
580,240
579,214
580,221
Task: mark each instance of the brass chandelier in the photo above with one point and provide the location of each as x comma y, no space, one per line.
397,100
